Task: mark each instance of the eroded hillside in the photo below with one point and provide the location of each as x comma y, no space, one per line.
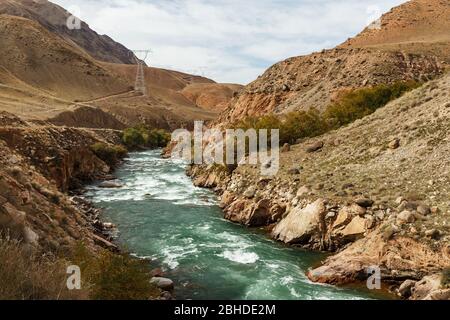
79,78
412,44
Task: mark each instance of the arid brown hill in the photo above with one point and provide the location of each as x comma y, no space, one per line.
413,43
419,26
79,78
54,19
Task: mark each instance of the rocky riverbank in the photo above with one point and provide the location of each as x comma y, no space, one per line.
42,170
375,193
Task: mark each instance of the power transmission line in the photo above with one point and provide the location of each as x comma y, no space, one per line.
139,85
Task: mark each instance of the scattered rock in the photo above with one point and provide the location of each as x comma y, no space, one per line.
435,210
163,283
30,236
319,186
293,171
399,200
394,144
108,225
286,148
405,289
406,217
166,295
364,202
389,232
356,227
348,186
427,288
158,272
110,185
433,234
424,210
303,191
301,223
250,192
315,147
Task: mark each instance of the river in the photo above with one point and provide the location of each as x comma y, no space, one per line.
161,216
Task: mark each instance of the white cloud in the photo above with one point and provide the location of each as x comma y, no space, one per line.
228,40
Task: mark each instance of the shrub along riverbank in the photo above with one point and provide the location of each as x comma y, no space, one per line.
144,137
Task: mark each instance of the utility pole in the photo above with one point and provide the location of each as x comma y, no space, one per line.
139,85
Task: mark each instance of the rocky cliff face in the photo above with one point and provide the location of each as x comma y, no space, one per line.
314,81
38,166
376,192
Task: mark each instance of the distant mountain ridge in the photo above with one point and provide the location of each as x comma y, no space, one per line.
79,78
54,18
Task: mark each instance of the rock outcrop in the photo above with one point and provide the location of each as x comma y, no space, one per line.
38,165
301,224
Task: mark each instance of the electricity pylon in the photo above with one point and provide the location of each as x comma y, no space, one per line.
139,85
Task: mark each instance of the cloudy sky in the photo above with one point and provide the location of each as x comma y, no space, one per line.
227,40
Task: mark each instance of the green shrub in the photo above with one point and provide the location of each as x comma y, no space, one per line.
133,138
141,136
359,103
292,126
122,277
351,106
302,124
158,138
111,154
114,276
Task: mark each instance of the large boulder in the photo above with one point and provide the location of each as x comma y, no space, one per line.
346,214
430,288
301,224
162,283
357,227
406,287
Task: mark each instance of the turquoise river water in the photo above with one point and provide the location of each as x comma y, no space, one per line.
161,216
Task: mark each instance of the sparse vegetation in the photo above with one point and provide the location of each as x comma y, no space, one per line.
28,275
111,154
143,137
446,278
114,276
352,105
356,104
133,138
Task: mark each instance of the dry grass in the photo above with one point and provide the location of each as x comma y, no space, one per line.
25,275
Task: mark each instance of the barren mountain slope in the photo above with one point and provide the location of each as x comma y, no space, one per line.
46,62
300,83
54,19
417,26
211,96
44,77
